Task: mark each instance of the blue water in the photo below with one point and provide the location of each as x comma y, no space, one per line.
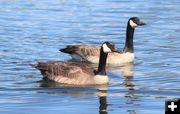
34,30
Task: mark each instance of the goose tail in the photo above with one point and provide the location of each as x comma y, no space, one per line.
68,49
40,66
34,65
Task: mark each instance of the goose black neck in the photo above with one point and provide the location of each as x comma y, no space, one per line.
103,105
129,47
102,63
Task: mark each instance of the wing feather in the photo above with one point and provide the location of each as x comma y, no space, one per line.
82,50
71,73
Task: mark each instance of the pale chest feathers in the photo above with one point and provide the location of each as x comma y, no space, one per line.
116,58
113,58
98,79
81,80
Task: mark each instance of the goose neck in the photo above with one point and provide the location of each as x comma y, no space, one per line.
102,63
129,46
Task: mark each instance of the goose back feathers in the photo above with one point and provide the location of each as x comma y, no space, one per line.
67,72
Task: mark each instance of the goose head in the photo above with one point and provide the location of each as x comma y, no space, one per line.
108,47
135,21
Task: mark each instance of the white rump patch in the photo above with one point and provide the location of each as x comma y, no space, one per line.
133,25
99,79
106,49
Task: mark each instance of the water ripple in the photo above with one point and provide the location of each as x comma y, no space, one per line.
32,31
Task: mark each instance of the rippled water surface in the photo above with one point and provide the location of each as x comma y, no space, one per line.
34,30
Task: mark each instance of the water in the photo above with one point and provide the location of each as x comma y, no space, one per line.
34,30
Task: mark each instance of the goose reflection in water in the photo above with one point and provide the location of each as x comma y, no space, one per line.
101,92
127,72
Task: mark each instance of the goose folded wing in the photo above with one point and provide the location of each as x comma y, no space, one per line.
70,73
82,50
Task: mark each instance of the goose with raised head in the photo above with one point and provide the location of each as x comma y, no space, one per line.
77,73
90,53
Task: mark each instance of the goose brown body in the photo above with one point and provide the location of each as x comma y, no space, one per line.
67,72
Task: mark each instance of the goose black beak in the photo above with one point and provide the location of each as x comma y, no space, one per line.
116,50
141,23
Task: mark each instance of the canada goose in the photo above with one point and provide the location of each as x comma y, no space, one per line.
77,73
90,53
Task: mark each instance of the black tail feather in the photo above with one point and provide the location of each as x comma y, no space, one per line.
34,65
40,66
68,49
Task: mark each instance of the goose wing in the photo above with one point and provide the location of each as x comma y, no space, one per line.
69,73
83,51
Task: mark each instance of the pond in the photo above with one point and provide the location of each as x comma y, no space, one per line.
34,30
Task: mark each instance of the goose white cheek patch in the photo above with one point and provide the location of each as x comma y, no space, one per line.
133,25
106,49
